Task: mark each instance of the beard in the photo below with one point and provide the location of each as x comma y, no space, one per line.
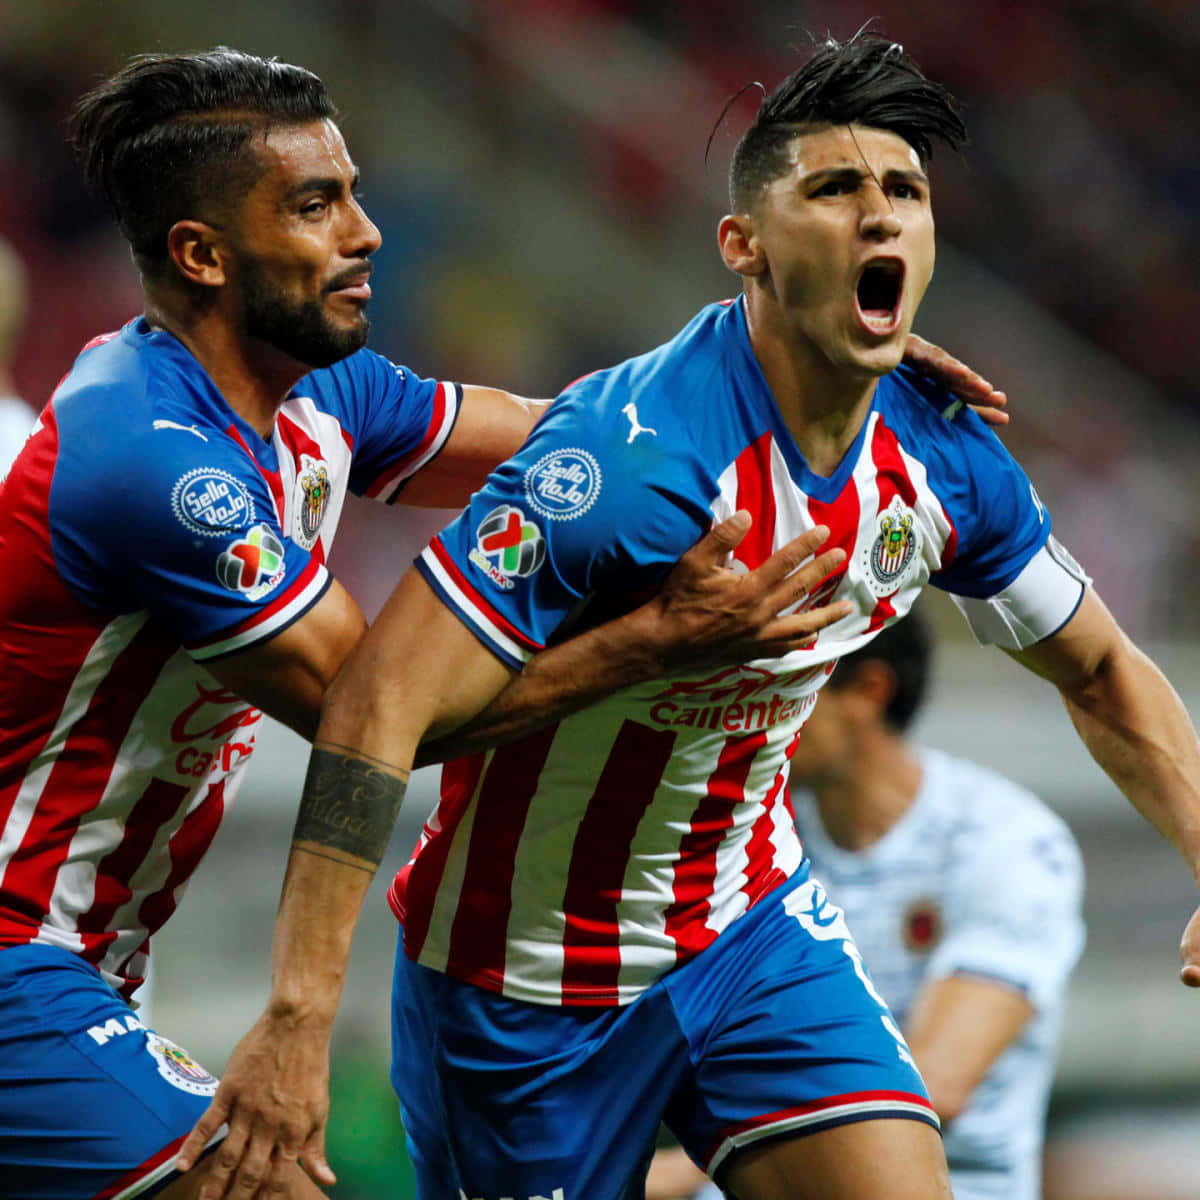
303,330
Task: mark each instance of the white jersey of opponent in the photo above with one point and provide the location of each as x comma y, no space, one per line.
977,877
579,865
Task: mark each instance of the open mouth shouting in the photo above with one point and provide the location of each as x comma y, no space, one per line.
877,296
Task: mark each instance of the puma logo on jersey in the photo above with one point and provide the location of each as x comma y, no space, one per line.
636,427
160,424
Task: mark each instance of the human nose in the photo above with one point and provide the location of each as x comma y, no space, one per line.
879,219
363,235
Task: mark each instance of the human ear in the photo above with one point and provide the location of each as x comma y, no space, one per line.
741,250
198,253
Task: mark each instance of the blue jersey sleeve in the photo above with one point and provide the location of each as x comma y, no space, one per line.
187,530
578,514
998,522
398,421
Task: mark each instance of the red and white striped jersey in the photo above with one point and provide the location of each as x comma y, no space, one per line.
146,530
582,863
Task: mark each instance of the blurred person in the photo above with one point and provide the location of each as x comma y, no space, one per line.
163,537
612,921
964,894
16,417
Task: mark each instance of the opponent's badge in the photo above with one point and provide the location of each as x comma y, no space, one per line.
507,545
252,565
179,1068
311,500
887,559
921,926
563,485
211,502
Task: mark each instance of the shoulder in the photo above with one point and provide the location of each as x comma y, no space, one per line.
993,817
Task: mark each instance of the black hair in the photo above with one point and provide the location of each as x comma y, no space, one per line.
905,648
866,80
168,136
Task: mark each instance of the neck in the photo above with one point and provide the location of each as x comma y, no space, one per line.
859,807
253,378
823,405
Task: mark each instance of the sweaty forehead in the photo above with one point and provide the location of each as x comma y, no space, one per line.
314,149
834,146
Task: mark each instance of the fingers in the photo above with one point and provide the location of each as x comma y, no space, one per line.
786,559
956,376
312,1156
202,1133
993,412
224,1161
720,541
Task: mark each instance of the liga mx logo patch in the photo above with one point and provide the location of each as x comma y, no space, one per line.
507,546
893,550
563,485
211,502
179,1068
253,565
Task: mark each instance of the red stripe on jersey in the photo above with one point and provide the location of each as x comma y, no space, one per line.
437,418
415,887
45,632
480,930
296,440
841,515
272,477
696,868
187,847
600,855
493,615
755,494
761,873
893,480
154,808
79,776
139,1173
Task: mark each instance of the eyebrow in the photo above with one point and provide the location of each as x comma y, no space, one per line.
328,184
858,173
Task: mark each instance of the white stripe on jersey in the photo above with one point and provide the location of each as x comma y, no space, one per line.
264,629
112,639
448,395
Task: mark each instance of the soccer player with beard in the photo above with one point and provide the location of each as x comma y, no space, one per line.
163,537
612,921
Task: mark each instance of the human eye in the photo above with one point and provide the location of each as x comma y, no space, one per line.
833,187
906,190
314,207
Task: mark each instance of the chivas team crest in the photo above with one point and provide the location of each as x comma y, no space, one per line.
312,499
889,556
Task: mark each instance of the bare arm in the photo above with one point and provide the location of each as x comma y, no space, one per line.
1136,727
491,426
958,1027
703,613
287,676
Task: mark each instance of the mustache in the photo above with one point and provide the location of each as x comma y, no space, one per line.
358,274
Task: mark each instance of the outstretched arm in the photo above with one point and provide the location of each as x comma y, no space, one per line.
1136,727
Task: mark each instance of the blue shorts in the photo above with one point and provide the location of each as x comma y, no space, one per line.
92,1103
775,1029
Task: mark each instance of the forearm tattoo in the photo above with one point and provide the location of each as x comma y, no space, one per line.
349,803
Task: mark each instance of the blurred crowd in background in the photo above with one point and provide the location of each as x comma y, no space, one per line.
539,171
538,168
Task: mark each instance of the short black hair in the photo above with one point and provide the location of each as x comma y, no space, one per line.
168,136
866,80
906,648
